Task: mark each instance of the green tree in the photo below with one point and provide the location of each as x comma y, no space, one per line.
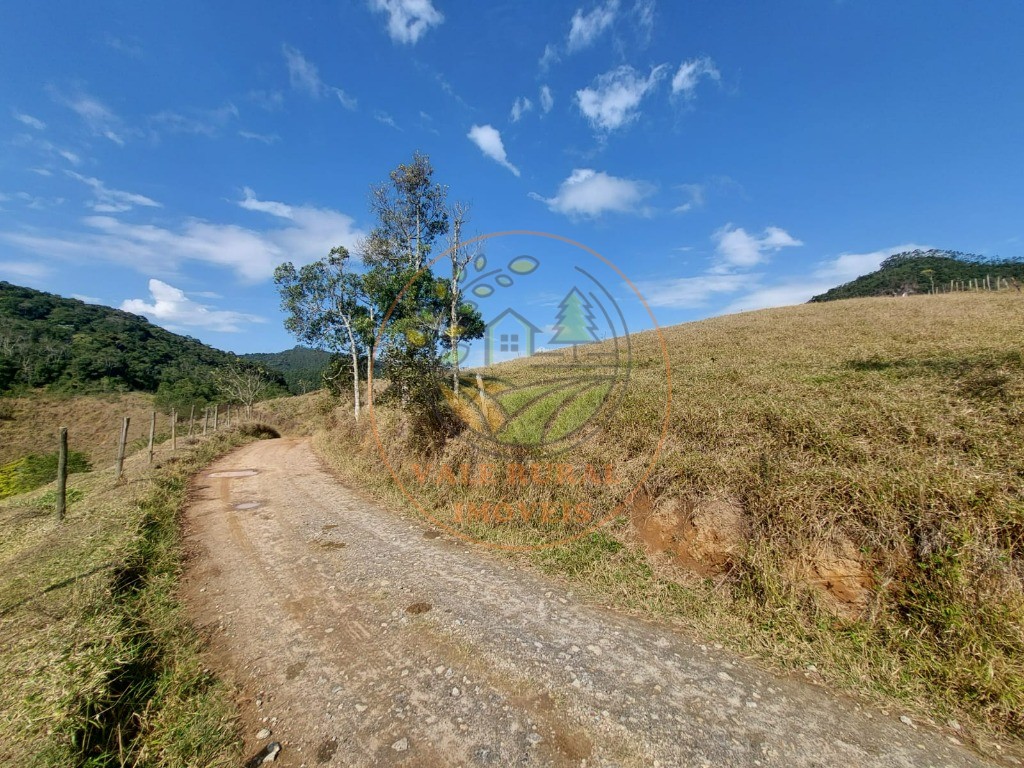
322,301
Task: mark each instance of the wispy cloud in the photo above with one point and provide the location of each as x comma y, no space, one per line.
170,307
587,193
265,138
271,101
488,139
688,76
549,57
520,107
197,122
21,270
690,292
408,20
613,100
586,28
643,13
695,197
547,99
304,77
130,47
299,233
385,119
99,119
109,200
31,122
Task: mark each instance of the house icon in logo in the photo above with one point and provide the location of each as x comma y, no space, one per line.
507,336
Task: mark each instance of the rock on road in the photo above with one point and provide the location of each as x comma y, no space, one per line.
359,637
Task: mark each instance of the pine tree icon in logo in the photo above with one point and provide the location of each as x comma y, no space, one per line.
575,321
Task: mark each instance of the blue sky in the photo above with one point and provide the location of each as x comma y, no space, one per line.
725,155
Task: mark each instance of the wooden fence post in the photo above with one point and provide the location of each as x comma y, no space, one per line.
216,415
174,431
152,434
62,474
120,448
227,420
191,419
206,419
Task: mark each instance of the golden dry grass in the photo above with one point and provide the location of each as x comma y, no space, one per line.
880,436
93,422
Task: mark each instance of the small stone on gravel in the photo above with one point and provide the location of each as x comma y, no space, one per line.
401,745
263,733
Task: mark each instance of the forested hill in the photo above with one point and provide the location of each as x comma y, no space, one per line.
301,367
50,341
920,271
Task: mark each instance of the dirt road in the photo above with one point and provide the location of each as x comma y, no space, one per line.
360,638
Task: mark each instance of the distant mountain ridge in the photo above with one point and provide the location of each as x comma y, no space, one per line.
67,345
301,367
921,271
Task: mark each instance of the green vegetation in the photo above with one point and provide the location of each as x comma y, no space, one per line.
100,664
841,485
395,312
31,471
47,340
302,368
925,271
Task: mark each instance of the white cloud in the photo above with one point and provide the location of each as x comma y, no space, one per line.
643,10
100,120
686,292
302,235
385,119
408,20
520,107
488,139
689,74
200,122
31,122
172,308
109,200
614,98
585,28
695,195
305,77
549,57
16,270
737,249
268,100
547,99
266,138
590,193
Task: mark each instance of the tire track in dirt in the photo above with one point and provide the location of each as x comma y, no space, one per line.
303,587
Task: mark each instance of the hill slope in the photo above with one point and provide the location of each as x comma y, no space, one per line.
919,271
301,367
48,340
839,484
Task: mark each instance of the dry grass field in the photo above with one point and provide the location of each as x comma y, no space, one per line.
840,487
30,424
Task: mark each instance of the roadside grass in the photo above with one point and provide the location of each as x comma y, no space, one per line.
99,663
885,435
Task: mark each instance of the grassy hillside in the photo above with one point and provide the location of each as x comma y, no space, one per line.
100,665
841,485
301,367
50,341
29,424
925,271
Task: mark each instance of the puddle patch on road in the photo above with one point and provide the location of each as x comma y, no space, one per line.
332,544
431,534
294,670
234,473
417,608
247,505
326,751
329,527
